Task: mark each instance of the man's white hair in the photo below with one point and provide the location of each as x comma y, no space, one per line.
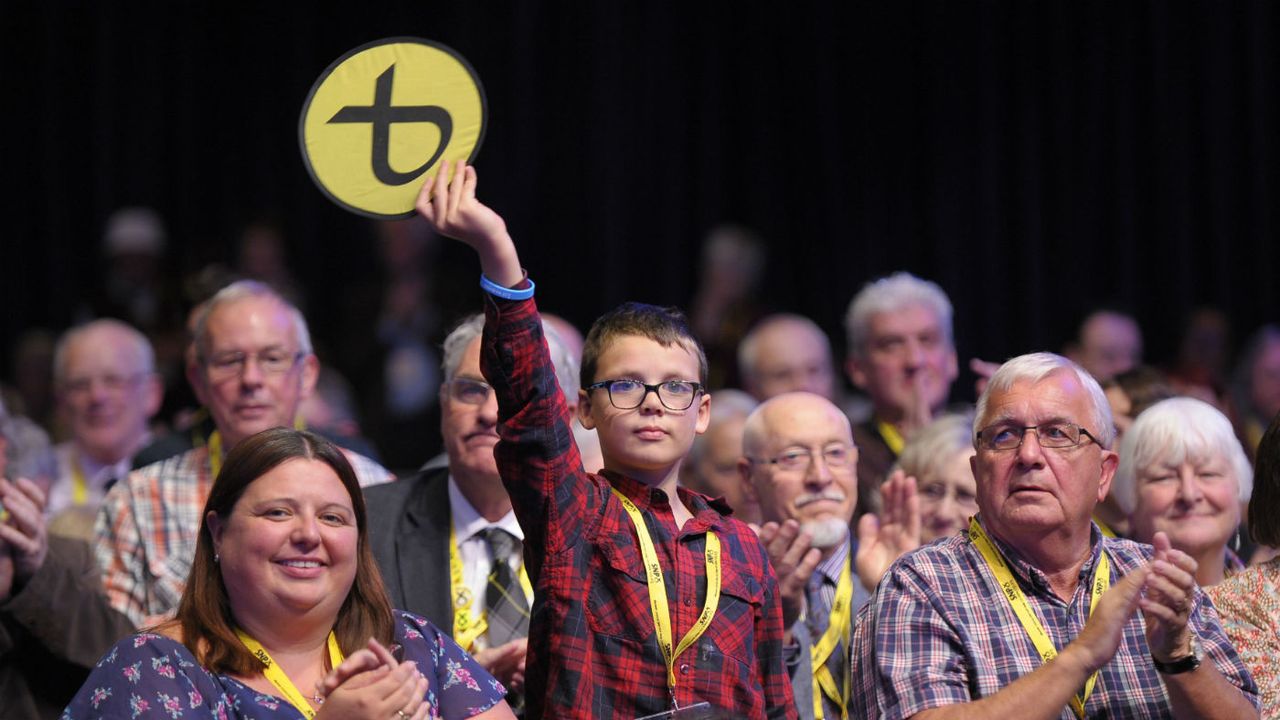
1034,367
894,293
471,327
1172,432
141,345
241,290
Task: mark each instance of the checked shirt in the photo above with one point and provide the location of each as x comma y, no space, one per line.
593,651
939,631
147,527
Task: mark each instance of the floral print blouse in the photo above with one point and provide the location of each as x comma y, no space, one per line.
152,676
1249,605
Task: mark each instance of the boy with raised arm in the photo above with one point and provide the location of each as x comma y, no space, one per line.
647,597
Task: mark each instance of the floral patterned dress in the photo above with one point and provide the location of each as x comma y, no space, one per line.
1249,605
151,676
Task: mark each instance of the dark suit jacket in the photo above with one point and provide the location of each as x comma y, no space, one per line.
875,459
409,535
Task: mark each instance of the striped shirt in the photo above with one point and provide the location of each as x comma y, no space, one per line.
148,524
938,631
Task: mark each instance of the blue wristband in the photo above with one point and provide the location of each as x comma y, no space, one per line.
506,293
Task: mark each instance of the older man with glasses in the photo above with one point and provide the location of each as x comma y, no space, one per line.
800,468
254,367
1033,613
107,390
446,539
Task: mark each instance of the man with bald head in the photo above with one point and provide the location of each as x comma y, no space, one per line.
254,367
712,465
108,391
786,353
800,468
1109,342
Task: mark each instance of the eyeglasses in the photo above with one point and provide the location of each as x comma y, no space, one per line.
629,394
934,493
270,362
470,392
1056,435
801,459
112,383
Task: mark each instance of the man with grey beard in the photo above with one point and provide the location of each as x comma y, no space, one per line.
800,466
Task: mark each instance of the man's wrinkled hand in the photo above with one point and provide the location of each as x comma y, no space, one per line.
1167,601
793,557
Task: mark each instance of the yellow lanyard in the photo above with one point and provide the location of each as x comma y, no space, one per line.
839,623
658,590
278,677
215,446
79,486
891,436
465,629
215,454
1022,608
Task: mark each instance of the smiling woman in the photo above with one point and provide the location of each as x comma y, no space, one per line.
1182,471
285,612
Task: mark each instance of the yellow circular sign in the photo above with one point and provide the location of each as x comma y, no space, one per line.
383,117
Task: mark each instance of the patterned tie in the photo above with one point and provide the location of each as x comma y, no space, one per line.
822,594
505,604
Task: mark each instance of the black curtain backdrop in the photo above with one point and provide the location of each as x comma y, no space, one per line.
1034,158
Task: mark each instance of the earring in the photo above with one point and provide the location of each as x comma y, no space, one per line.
217,558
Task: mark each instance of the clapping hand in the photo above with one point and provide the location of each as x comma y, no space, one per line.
1167,600
373,684
895,532
793,559
24,541
506,662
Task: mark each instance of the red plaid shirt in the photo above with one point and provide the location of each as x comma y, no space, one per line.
593,651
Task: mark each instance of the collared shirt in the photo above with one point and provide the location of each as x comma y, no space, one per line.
939,631
826,577
148,524
469,526
593,651
96,476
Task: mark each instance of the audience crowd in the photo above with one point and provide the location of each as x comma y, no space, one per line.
701,516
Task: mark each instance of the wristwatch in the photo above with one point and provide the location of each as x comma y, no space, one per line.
1181,665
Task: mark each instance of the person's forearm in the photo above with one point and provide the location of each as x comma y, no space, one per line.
1206,693
500,263
1040,695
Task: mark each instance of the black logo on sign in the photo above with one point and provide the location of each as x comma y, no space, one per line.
381,114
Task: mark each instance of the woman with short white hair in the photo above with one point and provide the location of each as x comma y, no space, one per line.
1182,471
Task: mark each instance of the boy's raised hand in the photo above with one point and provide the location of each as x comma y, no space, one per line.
450,205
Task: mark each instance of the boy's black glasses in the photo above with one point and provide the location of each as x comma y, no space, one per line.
629,394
